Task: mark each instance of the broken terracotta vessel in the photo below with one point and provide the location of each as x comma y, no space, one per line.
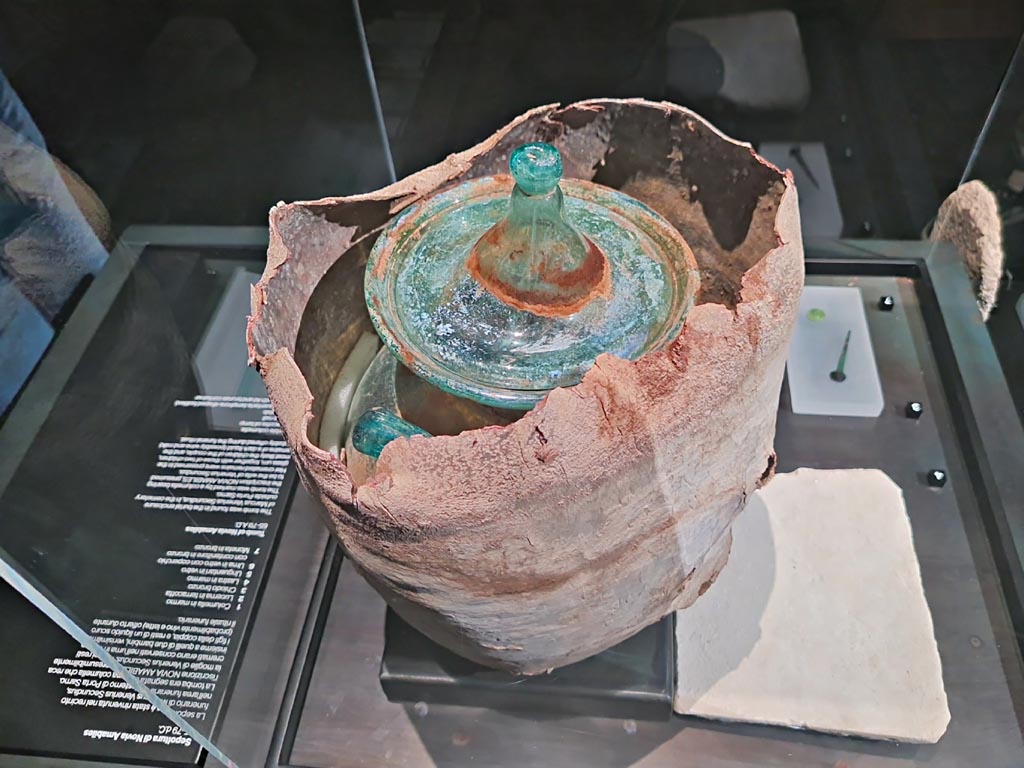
536,544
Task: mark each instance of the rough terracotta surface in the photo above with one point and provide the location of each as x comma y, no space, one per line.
969,219
536,544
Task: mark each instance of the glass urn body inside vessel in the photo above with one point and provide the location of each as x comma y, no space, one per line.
504,287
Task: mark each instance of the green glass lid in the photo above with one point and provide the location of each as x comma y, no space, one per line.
505,287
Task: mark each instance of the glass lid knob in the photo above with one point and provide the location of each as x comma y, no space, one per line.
536,168
533,260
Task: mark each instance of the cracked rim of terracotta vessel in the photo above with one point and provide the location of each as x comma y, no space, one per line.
607,506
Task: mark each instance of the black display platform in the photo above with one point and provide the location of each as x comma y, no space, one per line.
635,679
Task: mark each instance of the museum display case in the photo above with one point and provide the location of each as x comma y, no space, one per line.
548,384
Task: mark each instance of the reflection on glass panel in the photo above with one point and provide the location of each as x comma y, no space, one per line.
874,106
143,478
148,502
997,163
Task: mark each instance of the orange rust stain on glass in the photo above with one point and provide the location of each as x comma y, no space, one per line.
574,289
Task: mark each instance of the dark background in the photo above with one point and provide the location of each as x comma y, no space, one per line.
209,112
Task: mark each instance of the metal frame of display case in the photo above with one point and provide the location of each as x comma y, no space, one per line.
1006,329
982,408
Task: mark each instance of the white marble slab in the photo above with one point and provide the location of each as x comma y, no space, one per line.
819,619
